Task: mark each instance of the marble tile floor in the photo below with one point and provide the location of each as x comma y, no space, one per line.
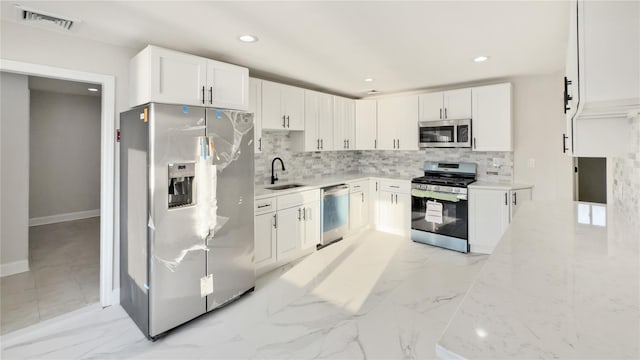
64,261
370,296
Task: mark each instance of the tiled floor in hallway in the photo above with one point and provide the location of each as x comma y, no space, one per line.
370,296
64,259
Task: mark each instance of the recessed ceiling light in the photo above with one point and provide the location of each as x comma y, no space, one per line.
92,89
373,92
248,38
369,80
481,58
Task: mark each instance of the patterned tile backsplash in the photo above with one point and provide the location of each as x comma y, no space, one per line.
626,177
492,166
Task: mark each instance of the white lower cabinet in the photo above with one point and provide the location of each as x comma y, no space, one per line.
394,207
359,205
286,228
490,213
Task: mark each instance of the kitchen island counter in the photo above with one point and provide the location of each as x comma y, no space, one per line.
563,282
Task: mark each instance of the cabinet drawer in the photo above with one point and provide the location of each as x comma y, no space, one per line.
358,186
264,206
297,199
397,186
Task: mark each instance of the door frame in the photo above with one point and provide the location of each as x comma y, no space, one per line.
108,295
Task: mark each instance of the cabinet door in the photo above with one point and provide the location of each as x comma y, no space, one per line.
177,78
227,86
374,194
366,124
518,197
325,121
491,125
356,211
311,217
366,203
255,107
407,123
265,239
387,123
339,111
386,217
488,218
402,213
570,91
457,104
431,107
272,114
350,123
290,231
293,107
311,119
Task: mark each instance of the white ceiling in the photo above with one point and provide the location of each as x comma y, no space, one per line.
334,45
63,86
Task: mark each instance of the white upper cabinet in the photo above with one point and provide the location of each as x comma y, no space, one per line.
447,105
398,123
282,107
171,77
602,85
318,123
366,124
492,122
344,125
255,107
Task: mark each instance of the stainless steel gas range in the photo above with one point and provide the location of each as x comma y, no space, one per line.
439,210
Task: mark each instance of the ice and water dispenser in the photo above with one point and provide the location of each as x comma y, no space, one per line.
182,184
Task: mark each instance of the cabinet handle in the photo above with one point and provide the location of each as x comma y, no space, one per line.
299,214
275,221
362,196
288,123
284,121
304,214
445,113
505,199
344,144
398,143
567,97
564,143
348,145
260,144
474,142
376,186
322,144
394,186
263,206
392,198
440,113
515,199
203,94
375,143
396,198
318,145
394,143
211,95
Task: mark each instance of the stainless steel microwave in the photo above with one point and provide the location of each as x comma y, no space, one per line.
445,133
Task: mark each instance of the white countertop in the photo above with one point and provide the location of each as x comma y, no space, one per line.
262,192
555,287
499,185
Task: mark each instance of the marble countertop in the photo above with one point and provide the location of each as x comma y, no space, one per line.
499,185
262,192
563,282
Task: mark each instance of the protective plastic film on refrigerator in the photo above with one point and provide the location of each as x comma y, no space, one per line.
186,209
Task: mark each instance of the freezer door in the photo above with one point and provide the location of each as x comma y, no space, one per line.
176,235
230,257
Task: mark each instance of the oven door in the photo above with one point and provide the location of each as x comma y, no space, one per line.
453,221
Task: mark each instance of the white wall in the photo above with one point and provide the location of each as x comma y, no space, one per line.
64,154
538,128
14,173
28,44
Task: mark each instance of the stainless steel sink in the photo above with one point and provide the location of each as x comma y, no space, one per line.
284,187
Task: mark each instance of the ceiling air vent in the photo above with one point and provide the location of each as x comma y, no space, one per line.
37,17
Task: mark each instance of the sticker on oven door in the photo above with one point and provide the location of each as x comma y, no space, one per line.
206,285
434,212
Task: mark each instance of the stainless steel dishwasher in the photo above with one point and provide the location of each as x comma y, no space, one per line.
335,214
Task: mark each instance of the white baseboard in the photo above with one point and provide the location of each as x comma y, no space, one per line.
64,217
15,267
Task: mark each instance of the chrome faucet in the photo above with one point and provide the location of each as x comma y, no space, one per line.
274,178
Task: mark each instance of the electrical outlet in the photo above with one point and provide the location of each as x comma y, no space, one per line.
532,163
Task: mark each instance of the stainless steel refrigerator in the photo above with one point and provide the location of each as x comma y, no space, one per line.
186,212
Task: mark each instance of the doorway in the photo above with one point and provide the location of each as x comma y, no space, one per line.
591,179
108,238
